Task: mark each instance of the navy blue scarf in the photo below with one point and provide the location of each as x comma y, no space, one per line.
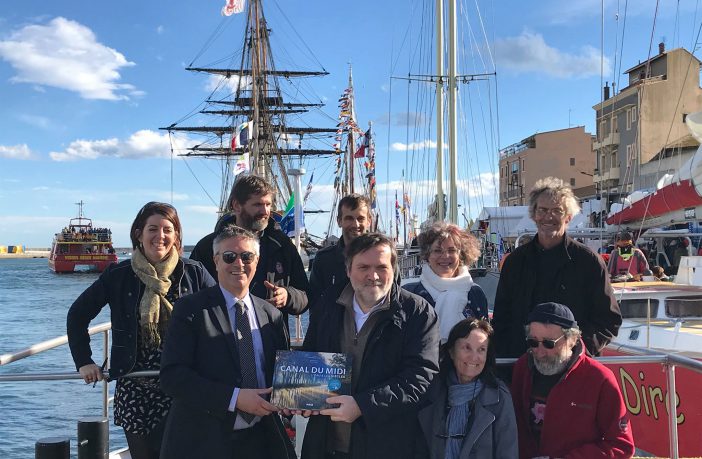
460,398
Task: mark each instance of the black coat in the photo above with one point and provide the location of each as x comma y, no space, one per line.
200,370
328,272
279,259
119,286
477,301
582,284
399,362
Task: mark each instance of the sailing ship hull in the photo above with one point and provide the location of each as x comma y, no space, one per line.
644,388
673,203
676,200
674,326
68,263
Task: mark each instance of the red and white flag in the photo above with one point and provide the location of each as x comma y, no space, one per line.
232,6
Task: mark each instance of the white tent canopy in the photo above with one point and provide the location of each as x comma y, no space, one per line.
503,220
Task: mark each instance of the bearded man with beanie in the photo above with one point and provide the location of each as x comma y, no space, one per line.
567,404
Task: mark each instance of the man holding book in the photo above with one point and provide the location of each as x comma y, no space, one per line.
217,364
392,337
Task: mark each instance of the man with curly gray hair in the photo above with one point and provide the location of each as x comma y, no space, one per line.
554,267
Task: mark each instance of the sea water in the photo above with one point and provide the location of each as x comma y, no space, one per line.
33,306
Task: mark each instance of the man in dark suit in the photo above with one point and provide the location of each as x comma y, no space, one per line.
217,364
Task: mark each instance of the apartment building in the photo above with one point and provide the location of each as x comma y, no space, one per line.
565,153
641,131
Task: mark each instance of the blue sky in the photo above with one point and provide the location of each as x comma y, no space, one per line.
85,86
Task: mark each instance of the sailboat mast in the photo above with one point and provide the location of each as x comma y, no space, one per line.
351,142
453,122
255,43
404,214
440,211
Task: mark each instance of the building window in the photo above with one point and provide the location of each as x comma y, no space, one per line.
572,161
523,165
615,124
572,182
630,155
515,167
684,117
628,119
633,114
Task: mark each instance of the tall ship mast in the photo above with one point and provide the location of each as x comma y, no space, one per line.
355,165
254,134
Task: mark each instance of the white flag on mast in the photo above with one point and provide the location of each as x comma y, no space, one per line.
232,7
242,164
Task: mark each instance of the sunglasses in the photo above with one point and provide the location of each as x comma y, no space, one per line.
230,257
546,343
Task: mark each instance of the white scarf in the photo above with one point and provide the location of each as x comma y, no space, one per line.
450,296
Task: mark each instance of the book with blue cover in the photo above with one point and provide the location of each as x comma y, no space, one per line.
304,380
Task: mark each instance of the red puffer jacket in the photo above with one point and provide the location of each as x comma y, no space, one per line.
585,414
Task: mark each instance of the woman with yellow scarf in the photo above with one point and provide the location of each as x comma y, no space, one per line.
140,293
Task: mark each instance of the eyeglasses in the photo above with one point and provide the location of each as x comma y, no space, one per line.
546,343
441,252
230,257
555,211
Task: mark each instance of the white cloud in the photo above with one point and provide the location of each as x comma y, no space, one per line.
15,152
160,29
529,52
142,144
424,144
67,55
215,82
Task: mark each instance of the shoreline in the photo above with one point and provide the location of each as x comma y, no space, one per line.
28,254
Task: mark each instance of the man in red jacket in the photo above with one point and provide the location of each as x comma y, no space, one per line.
566,403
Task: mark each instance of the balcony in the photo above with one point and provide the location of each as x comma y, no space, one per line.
611,174
611,139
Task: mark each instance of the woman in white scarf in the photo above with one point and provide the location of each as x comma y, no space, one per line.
445,281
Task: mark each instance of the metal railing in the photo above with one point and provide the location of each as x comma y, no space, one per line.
5,359
636,355
669,362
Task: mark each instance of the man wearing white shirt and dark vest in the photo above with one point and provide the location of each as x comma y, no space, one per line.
217,364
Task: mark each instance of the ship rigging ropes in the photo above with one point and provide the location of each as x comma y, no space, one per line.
413,106
252,118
